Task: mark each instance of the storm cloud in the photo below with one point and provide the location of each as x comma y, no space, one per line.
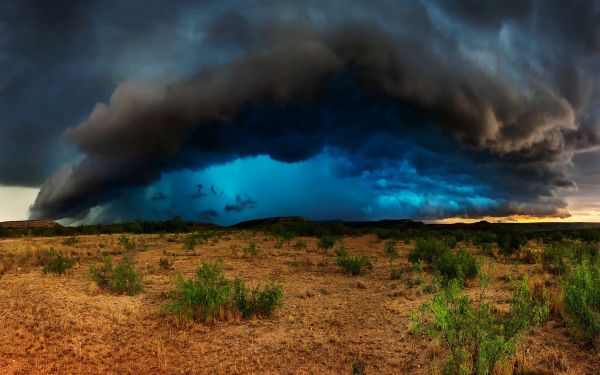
498,96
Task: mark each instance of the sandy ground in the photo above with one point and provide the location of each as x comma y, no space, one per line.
329,321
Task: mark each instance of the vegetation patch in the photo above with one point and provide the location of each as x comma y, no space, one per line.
251,250
510,241
326,242
190,241
428,250
55,262
582,301
555,257
121,278
126,242
300,245
353,265
457,265
477,337
390,249
210,296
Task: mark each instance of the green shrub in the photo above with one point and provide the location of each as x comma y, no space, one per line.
286,236
428,250
511,241
190,241
251,249
486,249
477,338
484,237
353,265
582,253
121,278
450,241
417,266
582,300
209,296
257,301
55,262
300,244
461,265
126,242
326,242
590,235
390,249
555,257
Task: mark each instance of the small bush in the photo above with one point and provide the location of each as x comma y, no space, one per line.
165,263
477,338
390,249
417,266
428,250
190,241
590,235
528,255
582,253
257,301
353,265
484,237
251,249
210,296
55,262
300,244
486,249
460,265
326,242
510,242
582,301
126,242
122,278
555,257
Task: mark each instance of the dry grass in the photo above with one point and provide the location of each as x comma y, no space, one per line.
327,323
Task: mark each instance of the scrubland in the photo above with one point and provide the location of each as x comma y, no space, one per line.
236,301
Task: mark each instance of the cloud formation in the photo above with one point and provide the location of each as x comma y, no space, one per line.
506,91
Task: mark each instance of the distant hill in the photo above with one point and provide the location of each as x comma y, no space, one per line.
404,224
263,223
30,224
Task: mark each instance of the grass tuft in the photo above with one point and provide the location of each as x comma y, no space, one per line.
353,265
211,296
55,262
121,278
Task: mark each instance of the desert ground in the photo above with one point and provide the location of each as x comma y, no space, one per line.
328,323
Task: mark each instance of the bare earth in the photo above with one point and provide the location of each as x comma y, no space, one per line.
329,321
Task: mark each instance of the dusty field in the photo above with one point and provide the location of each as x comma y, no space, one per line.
63,325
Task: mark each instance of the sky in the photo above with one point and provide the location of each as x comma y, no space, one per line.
225,111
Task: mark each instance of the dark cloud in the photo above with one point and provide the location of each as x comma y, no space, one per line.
159,197
208,214
506,90
242,203
199,193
